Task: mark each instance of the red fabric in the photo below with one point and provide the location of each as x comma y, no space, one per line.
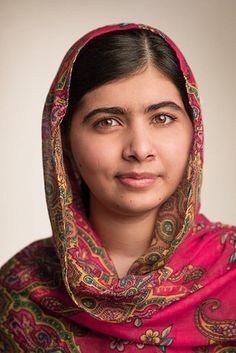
62,294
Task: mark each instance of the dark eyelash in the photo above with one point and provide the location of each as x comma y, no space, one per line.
166,115
96,124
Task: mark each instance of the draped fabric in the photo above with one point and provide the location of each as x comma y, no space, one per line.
62,294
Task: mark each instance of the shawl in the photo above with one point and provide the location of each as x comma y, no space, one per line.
61,294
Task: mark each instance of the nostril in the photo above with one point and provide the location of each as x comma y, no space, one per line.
139,148
139,156
132,157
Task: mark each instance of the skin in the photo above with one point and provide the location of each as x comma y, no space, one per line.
132,157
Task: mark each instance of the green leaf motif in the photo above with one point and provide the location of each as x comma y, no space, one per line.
163,349
137,322
232,258
166,332
167,341
224,237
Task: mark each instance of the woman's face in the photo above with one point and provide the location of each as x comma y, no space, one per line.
130,140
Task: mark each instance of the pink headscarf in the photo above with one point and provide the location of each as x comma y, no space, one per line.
62,295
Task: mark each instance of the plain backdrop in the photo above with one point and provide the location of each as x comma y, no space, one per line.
34,36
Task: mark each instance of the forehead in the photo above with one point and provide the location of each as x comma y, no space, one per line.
142,88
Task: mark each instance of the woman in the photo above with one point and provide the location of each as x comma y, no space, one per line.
132,265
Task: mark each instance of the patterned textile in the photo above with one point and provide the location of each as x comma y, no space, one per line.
62,295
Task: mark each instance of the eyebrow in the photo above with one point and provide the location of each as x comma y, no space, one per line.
123,111
109,110
164,104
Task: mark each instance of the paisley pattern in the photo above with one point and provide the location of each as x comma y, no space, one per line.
215,330
62,294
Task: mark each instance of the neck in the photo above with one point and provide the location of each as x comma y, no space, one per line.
124,237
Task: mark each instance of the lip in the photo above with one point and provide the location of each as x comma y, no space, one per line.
137,180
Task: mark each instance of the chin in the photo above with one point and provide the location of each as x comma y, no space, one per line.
135,208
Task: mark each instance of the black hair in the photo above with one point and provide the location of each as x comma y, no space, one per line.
114,55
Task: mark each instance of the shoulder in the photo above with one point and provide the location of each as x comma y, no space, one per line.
204,225
35,263
32,273
218,240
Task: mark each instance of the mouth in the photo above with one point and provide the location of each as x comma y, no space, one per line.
137,180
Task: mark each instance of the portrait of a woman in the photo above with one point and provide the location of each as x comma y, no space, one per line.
132,265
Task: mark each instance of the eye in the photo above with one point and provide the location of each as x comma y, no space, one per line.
106,123
163,119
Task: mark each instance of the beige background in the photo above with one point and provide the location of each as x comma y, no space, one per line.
35,35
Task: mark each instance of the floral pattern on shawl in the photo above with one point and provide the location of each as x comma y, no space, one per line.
75,239
62,294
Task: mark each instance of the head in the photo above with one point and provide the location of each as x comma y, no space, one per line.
128,121
114,55
112,150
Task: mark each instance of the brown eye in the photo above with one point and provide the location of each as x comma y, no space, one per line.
108,122
163,119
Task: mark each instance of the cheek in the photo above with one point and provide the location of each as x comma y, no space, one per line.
175,155
91,158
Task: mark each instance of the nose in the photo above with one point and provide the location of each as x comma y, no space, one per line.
139,145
